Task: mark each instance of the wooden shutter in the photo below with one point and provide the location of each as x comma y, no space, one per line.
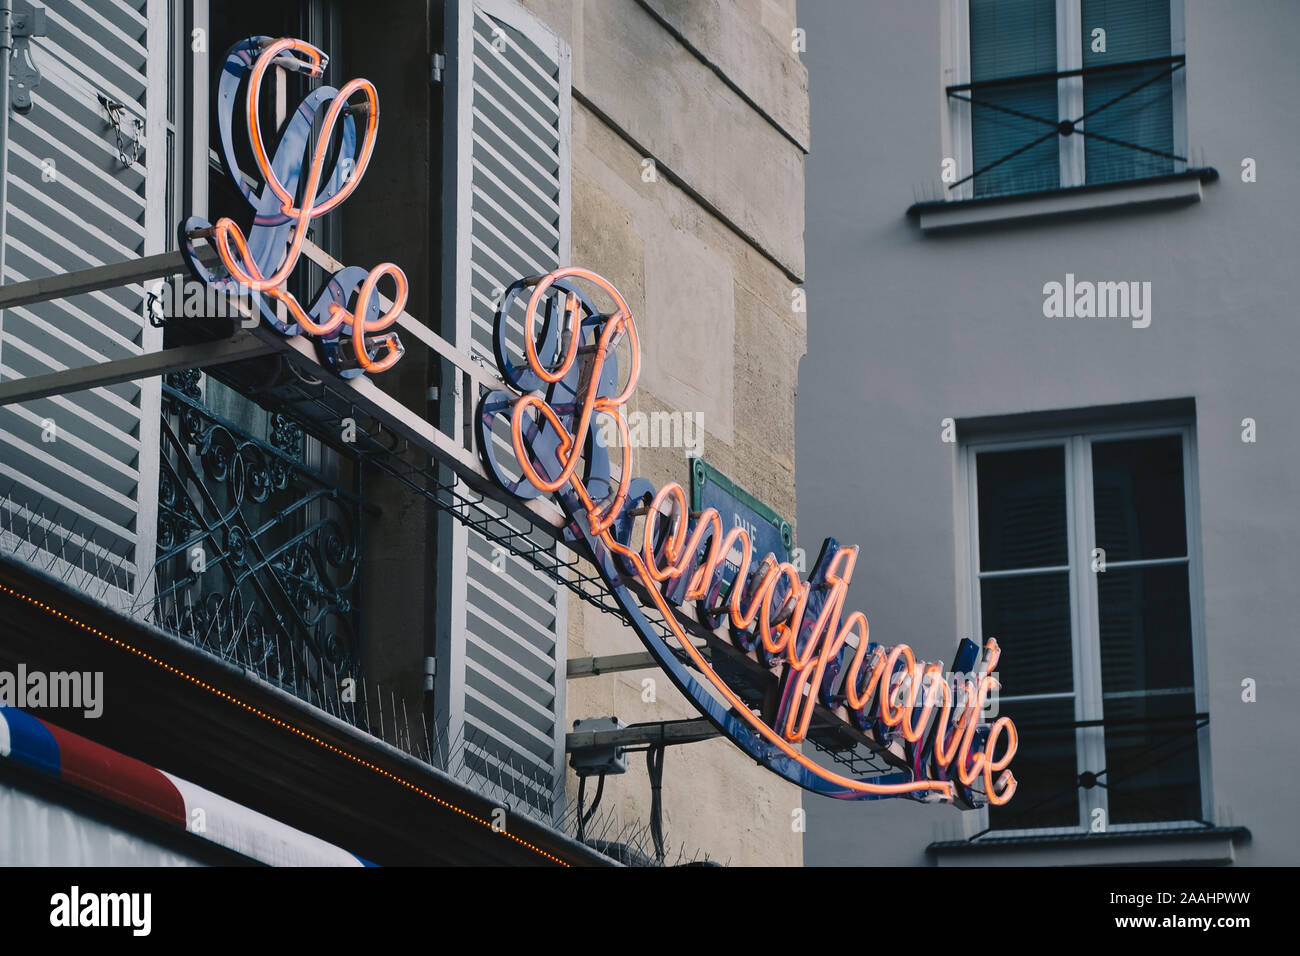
84,504
506,192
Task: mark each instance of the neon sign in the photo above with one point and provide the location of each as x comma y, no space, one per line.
345,320
941,748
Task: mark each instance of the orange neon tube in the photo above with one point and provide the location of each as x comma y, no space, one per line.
1006,783
680,545
601,519
227,234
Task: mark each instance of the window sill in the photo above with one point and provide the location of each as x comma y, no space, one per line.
1194,846
1175,190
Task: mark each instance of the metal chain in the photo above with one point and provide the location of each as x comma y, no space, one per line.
116,113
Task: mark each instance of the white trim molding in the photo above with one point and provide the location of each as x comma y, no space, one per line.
1178,190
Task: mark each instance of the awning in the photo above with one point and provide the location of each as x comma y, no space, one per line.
86,765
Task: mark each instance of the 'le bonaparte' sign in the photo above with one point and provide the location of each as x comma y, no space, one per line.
942,748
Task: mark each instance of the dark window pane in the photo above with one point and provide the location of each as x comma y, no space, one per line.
1045,767
1152,771
999,139
1146,628
1022,508
1029,616
1138,498
1135,30
1010,38
1143,118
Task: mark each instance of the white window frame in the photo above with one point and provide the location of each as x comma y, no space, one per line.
956,125
1085,637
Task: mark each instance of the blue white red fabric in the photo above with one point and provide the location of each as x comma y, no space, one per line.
84,764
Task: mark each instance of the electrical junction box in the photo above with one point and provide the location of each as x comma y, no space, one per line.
593,761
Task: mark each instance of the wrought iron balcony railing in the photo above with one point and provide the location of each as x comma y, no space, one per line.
1040,129
254,548
1168,737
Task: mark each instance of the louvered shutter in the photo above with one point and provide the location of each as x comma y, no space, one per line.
1010,38
1135,30
506,189
86,500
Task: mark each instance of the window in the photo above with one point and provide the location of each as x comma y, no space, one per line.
229,22
1085,570
1050,94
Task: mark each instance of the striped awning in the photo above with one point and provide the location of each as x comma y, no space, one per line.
88,766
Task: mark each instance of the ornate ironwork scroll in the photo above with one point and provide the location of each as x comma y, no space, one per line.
258,555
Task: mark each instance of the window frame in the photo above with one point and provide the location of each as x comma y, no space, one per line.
955,70
1090,753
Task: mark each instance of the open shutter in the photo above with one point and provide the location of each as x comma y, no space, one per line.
506,196
86,187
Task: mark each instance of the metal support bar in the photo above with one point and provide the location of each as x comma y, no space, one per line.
467,364
610,663
1180,59
369,399
367,396
657,733
613,663
92,280
236,349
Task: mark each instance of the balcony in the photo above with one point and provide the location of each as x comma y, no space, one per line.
1028,162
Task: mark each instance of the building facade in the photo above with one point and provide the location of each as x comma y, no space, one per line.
376,644
1046,256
